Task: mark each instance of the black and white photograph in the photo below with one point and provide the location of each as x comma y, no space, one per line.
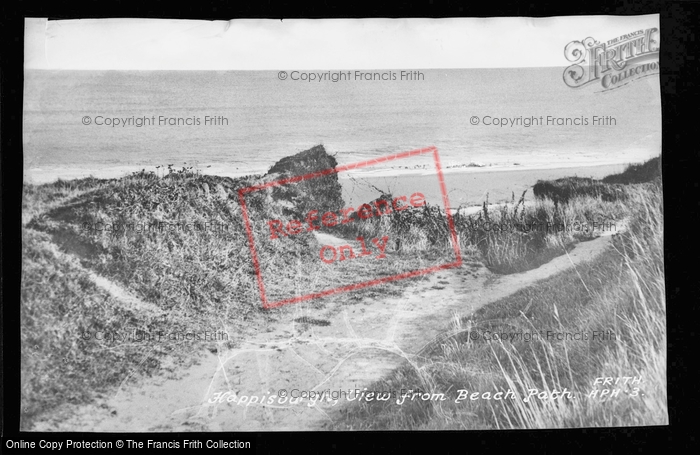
263,225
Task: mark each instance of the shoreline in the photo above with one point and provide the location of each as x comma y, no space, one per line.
39,176
468,187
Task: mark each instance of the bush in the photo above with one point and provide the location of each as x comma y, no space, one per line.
638,173
562,190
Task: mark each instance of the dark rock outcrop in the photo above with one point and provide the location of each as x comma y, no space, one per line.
322,193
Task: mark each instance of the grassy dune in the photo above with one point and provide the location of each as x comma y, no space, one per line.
198,277
175,241
637,173
195,268
59,304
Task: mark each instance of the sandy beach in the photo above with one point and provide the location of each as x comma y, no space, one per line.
467,187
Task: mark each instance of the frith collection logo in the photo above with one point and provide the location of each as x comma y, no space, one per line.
614,63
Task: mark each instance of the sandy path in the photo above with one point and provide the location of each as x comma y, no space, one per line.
362,342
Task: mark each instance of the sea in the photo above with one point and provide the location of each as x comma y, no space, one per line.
80,123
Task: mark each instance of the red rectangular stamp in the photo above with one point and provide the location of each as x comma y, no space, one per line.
411,206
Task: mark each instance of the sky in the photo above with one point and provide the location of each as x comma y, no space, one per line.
314,44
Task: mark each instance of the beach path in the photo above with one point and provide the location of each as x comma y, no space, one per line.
338,348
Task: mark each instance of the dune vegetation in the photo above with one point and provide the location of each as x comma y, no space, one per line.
177,243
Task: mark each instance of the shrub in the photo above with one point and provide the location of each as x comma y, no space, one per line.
638,173
561,190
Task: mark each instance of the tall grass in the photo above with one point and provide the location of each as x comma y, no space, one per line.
635,309
517,237
511,238
621,292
